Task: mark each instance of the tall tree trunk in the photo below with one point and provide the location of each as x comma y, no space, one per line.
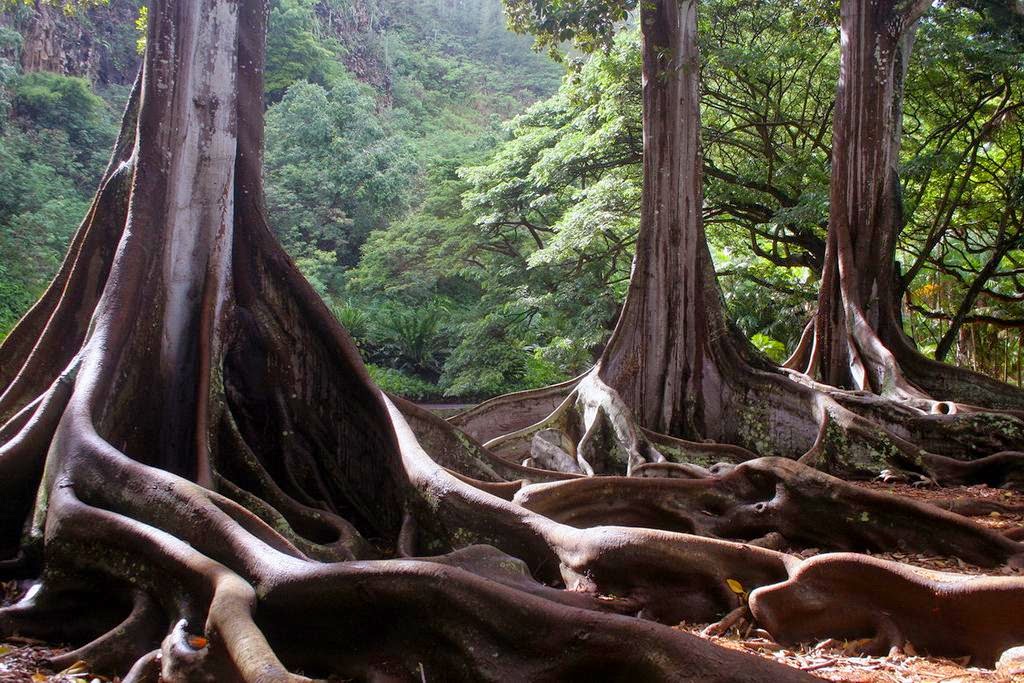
858,305
191,450
187,434
674,366
657,358
671,356
857,339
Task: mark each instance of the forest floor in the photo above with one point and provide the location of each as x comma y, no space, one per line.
839,661
22,660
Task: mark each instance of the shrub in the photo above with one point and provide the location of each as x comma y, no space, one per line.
397,382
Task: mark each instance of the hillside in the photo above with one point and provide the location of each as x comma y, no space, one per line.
397,88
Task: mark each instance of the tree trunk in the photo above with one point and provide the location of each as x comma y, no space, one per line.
658,358
186,433
674,366
857,340
859,297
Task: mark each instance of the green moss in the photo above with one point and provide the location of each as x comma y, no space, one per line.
862,454
684,456
514,566
754,429
461,537
432,499
997,423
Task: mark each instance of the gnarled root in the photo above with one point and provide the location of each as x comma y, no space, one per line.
769,495
511,412
852,596
478,630
203,563
852,434
592,431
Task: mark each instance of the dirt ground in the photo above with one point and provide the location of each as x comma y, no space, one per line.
22,660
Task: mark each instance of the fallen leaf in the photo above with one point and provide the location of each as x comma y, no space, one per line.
197,642
735,586
75,669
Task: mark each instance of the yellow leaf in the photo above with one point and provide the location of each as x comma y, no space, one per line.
39,678
4,649
735,586
75,669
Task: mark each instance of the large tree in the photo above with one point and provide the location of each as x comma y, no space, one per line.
856,339
674,366
205,484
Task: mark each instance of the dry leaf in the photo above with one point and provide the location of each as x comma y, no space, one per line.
197,642
76,669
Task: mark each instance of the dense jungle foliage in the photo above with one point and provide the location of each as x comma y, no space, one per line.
468,206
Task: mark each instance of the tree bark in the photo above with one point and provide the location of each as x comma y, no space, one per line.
857,339
674,366
656,358
859,296
187,433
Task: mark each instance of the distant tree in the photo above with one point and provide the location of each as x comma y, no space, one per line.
964,155
675,368
50,154
294,53
334,174
674,365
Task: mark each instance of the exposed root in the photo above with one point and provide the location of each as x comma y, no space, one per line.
120,647
145,670
484,632
210,561
956,384
462,453
26,439
852,596
1004,469
511,412
852,434
591,432
737,616
772,495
